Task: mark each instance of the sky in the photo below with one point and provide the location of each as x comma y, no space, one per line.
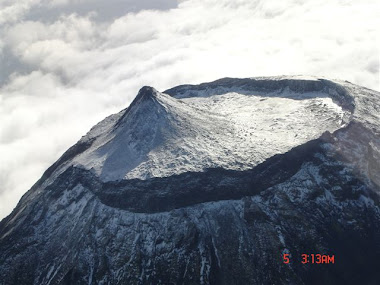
67,64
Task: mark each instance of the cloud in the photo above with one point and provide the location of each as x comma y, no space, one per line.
11,11
102,10
67,64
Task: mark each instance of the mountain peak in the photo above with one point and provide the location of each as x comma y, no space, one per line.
146,93
230,123
235,125
270,162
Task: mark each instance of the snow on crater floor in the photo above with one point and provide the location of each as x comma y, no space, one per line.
163,135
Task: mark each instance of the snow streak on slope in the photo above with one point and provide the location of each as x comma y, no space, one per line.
160,135
215,226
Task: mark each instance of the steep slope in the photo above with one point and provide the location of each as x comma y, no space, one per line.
231,174
160,135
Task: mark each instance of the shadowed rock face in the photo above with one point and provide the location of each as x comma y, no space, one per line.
217,226
183,190
267,86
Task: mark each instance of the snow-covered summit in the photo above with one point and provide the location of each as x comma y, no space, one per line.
230,123
272,189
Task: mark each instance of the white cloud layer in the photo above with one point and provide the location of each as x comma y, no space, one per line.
66,64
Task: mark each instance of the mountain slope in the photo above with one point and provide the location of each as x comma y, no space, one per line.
160,135
210,184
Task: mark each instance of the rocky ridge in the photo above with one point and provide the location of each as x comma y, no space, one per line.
120,207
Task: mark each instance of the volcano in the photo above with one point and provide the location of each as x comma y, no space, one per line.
211,184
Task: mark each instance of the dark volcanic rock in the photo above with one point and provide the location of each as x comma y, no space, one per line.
218,226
